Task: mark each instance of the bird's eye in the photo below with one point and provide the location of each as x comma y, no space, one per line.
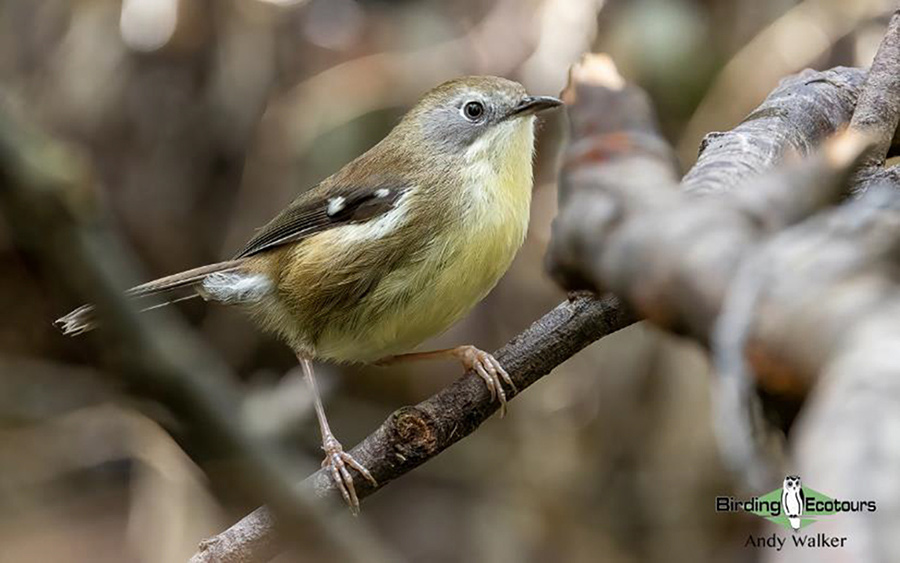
473,111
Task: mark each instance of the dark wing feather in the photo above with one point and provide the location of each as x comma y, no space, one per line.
310,214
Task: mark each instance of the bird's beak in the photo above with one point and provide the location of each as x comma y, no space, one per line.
533,104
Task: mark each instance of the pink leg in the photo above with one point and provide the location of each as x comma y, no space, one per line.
335,457
485,365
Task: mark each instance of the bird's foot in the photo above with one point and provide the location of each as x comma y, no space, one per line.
489,369
338,461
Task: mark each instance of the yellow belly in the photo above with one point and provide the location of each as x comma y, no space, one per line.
447,284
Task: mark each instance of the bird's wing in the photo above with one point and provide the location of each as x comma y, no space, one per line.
323,208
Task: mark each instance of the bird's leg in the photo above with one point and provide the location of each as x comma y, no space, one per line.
336,459
485,365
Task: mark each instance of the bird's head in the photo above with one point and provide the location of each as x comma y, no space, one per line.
475,115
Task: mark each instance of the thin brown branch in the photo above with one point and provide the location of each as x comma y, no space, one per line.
413,435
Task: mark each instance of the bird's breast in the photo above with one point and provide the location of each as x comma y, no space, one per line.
457,260
464,260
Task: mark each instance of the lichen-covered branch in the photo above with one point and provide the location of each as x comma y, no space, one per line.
878,110
826,317
623,226
794,119
771,270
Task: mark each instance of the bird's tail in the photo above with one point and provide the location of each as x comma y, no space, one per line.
795,522
83,319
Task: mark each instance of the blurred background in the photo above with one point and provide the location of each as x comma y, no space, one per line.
203,118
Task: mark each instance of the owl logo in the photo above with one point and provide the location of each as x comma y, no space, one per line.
792,500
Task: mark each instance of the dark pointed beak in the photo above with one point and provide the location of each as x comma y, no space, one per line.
533,104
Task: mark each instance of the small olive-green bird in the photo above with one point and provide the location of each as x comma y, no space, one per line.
391,250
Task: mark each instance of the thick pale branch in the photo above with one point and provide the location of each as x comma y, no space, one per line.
826,312
623,228
878,110
814,305
794,119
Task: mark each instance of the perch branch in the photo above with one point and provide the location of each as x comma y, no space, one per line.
413,435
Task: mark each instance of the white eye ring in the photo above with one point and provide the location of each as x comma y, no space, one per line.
473,110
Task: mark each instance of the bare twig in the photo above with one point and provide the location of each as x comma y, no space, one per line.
413,435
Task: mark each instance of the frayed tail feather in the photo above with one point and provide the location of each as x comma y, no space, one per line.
77,322
84,318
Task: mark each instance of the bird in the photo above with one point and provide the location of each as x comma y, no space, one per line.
792,500
392,249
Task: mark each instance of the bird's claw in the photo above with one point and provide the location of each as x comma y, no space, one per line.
338,461
489,369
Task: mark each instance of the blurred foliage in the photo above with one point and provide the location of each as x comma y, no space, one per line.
203,118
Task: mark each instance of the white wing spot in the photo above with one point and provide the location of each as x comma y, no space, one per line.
335,205
382,192
380,226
